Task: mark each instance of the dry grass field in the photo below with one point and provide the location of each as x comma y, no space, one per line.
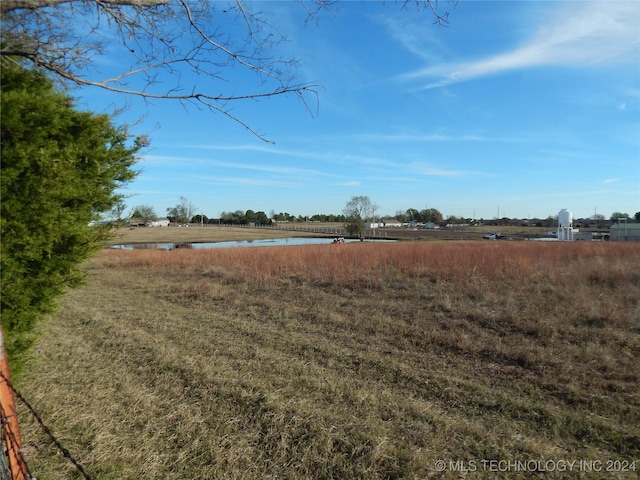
196,234
215,233
353,361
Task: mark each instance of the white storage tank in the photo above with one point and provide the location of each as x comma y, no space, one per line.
565,218
565,225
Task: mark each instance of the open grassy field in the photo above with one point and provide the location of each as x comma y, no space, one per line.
353,361
215,233
196,234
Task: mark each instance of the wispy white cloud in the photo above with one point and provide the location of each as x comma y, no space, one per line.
436,137
437,172
413,36
247,181
416,171
265,168
633,92
306,153
579,34
585,196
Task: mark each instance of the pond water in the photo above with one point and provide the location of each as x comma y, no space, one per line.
267,242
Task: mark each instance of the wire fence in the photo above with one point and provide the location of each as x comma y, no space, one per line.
7,431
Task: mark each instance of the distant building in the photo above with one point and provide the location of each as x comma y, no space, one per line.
623,231
161,222
390,223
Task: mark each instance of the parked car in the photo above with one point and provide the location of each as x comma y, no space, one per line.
492,236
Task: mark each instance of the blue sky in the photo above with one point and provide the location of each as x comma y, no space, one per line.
517,108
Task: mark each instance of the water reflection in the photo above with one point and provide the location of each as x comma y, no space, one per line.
269,242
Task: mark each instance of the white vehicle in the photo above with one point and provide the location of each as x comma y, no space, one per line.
492,236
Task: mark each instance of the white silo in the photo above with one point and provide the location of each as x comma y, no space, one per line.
565,225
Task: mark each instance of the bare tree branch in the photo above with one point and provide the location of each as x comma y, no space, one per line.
441,19
181,50
8,5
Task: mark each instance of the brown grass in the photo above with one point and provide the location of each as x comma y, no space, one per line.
343,361
215,233
212,233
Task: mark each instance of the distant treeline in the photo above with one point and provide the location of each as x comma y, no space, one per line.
410,215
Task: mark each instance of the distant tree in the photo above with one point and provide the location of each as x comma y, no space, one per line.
637,216
182,212
550,221
413,215
615,216
284,217
240,217
596,220
117,211
61,168
431,215
145,213
261,218
357,210
250,216
200,219
226,218
233,218
354,226
360,207
401,216
325,217
453,219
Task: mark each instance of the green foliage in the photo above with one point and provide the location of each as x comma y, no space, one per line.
233,218
200,219
182,212
356,211
60,169
615,216
431,215
423,216
354,226
144,214
261,219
